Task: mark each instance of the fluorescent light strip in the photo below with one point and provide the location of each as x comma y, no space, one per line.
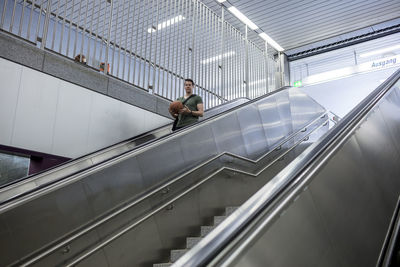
212,59
271,41
380,51
221,1
167,23
243,18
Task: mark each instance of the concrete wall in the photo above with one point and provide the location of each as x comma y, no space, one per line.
43,113
27,54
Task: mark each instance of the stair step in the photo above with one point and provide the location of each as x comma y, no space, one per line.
230,210
167,264
218,219
192,241
204,230
177,253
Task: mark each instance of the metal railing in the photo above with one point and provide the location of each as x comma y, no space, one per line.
152,44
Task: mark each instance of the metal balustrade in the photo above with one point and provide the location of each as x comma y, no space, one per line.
151,44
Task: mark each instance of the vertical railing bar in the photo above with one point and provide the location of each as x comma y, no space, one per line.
84,31
55,24
70,25
126,42
213,70
155,68
13,16
3,15
247,65
174,90
21,21
195,50
266,68
164,50
77,28
198,47
231,63
202,48
120,39
46,25
214,51
222,52
234,66
141,46
30,18
181,50
149,85
115,42
209,46
131,43
193,39
145,48
96,39
63,26
162,57
108,38
168,68
185,47
174,79
136,43
103,42
88,58
39,19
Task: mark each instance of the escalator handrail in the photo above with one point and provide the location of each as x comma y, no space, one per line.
50,171
126,206
290,177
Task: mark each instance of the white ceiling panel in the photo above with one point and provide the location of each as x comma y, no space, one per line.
298,23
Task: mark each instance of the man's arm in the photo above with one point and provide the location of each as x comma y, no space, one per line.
194,113
199,112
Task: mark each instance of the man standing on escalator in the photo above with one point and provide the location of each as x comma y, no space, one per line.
192,107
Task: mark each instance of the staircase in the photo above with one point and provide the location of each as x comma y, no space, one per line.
192,241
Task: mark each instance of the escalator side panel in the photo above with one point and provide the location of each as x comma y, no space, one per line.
283,104
228,136
198,145
76,203
346,209
298,238
271,120
100,187
71,206
302,107
253,135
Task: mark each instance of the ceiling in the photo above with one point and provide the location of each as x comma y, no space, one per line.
297,25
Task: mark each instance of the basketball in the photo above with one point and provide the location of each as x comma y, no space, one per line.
175,107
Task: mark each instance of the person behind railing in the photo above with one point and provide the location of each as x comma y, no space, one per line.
192,107
80,58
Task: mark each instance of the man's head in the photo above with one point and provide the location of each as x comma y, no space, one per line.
189,84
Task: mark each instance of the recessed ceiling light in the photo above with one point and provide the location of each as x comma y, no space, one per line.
243,18
271,41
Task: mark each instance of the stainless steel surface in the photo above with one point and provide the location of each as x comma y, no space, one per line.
40,180
153,168
345,186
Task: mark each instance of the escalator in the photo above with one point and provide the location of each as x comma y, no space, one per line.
26,185
133,208
335,205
